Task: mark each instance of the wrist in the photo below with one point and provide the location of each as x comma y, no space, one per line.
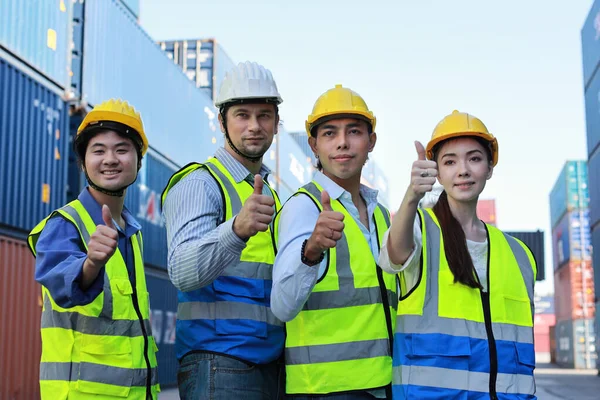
237,232
309,255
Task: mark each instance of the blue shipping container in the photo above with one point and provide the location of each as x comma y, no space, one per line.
570,190
179,120
571,344
590,43
594,188
133,6
567,241
163,315
39,33
33,147
544,304
143,201
596,263
535,241
592,115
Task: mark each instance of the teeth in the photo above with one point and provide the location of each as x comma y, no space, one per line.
110,172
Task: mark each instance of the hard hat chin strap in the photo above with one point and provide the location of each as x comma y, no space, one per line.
253,159
115,193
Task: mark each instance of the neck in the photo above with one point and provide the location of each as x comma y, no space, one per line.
465,213
253,167
350,185
114,203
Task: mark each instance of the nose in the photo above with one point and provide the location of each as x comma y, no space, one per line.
253,125
342,142
464,169
110,158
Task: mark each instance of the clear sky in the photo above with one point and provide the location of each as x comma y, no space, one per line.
514,64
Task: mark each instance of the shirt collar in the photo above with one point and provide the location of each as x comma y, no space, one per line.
236,168
336,191
95,210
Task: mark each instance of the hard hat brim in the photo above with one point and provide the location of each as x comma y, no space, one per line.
493,143
368,118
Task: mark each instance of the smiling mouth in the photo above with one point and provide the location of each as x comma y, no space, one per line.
110,173
465,184
342,158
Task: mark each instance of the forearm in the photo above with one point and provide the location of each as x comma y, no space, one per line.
400,242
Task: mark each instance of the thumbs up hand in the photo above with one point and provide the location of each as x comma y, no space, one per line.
423,175
256,214
103,242
328,230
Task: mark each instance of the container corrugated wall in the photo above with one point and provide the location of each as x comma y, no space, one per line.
20,312
33,149
594,188
576,344
592,115
589,41
143,200
574,288
121,60
535,242
39,33
133,6
163,315
570,190
571,238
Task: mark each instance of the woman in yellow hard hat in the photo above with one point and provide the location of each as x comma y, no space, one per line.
96,336
465,316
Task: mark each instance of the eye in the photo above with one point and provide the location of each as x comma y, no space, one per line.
355,131
265,116
242,115
448,162
327,133
476,158
122,151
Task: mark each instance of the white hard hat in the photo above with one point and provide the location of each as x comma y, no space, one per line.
248,80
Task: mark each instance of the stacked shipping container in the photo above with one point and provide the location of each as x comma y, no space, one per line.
486,211
591,81
573,272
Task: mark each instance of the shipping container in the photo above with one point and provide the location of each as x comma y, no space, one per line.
34,147
571,238
596,258
122,61
553,344
590,49
570,190
544,304
20,314
486,211
541,330
535,242
597,331
143,200
574,291
133,6
163,315
39,34
592,115
301,138
594,188
203,61
576,344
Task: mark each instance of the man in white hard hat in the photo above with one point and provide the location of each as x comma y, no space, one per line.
220,257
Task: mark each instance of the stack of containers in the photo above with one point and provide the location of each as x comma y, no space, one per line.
544,318
591,80
573,272
34,74
486,211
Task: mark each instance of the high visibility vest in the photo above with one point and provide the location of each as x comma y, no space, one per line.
105,347
342,338
457,342
232,315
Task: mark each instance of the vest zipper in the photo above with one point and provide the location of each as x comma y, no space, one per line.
487,314
136,307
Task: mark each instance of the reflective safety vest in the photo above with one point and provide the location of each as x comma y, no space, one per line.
104,348
342,338
457,342
232,315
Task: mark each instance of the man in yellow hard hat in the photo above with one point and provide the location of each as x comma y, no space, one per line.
96,336
339,308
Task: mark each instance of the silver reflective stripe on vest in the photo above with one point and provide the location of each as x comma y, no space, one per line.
386,217
226,310
236,202
337,352
66,371
455,379
525,266
250,270
90,325
79,222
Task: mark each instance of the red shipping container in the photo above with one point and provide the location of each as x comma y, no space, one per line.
20,311
541,330
570,293
486,211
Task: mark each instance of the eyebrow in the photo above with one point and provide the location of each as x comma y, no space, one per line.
468,153
119,144
262,110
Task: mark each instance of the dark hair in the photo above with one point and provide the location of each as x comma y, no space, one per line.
315,127
455,243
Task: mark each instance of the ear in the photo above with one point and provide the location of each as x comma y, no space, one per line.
372,141
490,172
221,125
276,124
312,142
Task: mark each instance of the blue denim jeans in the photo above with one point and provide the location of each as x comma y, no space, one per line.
216,377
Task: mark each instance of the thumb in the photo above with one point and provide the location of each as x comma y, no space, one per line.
258,184
107,217
326,201
420,150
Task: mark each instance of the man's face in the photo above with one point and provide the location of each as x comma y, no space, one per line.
251,127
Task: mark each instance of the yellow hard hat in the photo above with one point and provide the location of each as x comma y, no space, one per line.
115,110
339,101
460,124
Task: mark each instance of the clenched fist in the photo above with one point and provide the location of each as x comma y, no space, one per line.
256,214
327,232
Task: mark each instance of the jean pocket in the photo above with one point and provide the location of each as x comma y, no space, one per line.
232,366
